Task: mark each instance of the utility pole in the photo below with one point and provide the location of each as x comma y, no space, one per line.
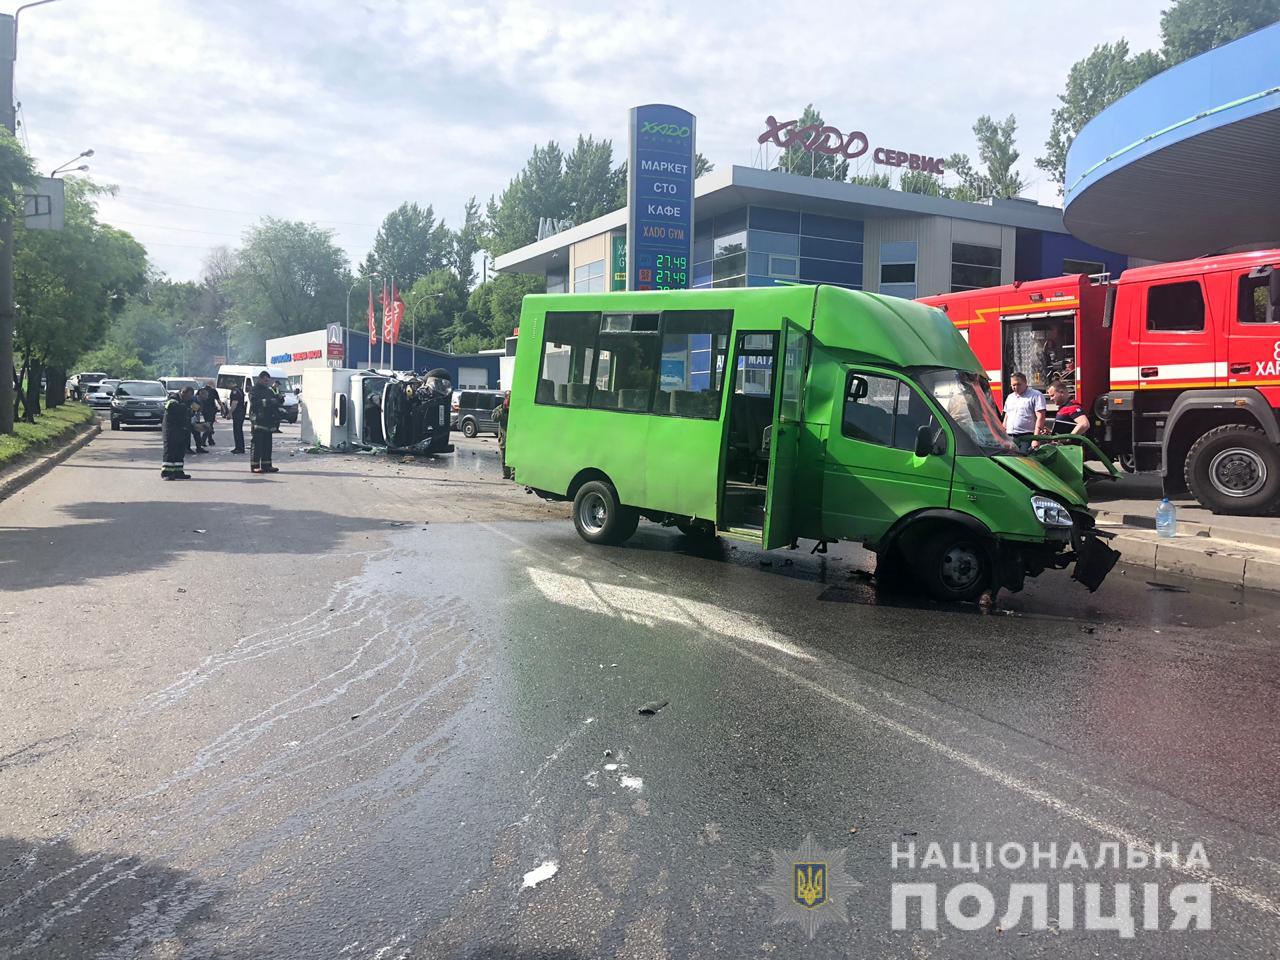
8,53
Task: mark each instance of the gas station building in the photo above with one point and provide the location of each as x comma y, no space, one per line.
763,227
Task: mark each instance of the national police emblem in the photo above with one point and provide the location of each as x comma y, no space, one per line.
810,886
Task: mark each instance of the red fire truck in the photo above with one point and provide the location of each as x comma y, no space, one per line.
1180,363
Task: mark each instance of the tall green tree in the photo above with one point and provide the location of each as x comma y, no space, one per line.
795,159
468,240
884,181
68,284
1190,27
289,277
591,183
17,172
1093,84
409,244
997,154
537,191
917,181
496,304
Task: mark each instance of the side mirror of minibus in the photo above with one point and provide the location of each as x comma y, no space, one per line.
924,441
930,441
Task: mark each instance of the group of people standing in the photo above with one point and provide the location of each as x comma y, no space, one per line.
1025,412
189,419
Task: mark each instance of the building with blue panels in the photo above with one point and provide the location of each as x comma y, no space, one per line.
761,227
1185,165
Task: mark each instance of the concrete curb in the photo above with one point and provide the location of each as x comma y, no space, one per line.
41,465
1192,528
1206,558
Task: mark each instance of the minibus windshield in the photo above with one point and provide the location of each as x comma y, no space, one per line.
967,399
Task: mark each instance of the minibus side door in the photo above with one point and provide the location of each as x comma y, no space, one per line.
872,475
784,444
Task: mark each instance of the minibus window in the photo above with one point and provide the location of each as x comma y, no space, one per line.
970,407
568,354
869,407
633,346
694,343
913,413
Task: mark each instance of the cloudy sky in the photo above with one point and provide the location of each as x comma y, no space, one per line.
209,115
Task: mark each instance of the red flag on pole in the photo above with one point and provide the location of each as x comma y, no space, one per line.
397,313
373,319
386,314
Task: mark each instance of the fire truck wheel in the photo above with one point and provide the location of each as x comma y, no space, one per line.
954,565
599,517
1233,469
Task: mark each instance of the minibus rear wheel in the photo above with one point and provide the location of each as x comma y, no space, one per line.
954,565
598,515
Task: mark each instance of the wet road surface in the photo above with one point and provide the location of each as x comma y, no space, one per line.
373,709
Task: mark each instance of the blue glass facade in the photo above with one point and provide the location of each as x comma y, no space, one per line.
760,246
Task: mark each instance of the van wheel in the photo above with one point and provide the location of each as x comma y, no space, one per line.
598,515
1233,469
469,429
954,565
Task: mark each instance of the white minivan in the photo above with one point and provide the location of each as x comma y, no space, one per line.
232,375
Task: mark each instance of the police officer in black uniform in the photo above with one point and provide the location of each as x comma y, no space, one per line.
264,414
176,430
239,408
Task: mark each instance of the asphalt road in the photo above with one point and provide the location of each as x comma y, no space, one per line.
373,709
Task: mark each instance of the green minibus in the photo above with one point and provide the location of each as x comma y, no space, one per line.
792,412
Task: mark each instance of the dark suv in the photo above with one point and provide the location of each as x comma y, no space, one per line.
138,402
473,411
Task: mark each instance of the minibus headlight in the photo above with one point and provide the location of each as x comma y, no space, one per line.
1050,512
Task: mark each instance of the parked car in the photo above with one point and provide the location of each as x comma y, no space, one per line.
100,394
473,411
243,376
79,386
174,385
138,403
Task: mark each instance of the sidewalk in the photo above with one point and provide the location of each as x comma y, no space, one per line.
1244,551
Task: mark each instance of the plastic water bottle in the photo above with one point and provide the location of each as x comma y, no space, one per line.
1166,519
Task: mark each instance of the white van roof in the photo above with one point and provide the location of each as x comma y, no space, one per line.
251,370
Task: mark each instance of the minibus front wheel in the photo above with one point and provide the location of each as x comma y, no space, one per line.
600,517
954,564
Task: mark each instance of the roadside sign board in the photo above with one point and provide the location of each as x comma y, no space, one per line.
660,198
336,349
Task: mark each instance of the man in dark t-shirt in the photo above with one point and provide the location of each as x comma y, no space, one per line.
1071,417
236,403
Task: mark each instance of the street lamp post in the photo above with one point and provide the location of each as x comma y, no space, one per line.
231,326
64,167
185,337
413,326
350,290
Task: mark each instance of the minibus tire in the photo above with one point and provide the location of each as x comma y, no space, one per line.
936,565
599,517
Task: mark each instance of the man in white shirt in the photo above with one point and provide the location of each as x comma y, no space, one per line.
1024,412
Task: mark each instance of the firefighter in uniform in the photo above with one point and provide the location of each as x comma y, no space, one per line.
264,413
176,431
